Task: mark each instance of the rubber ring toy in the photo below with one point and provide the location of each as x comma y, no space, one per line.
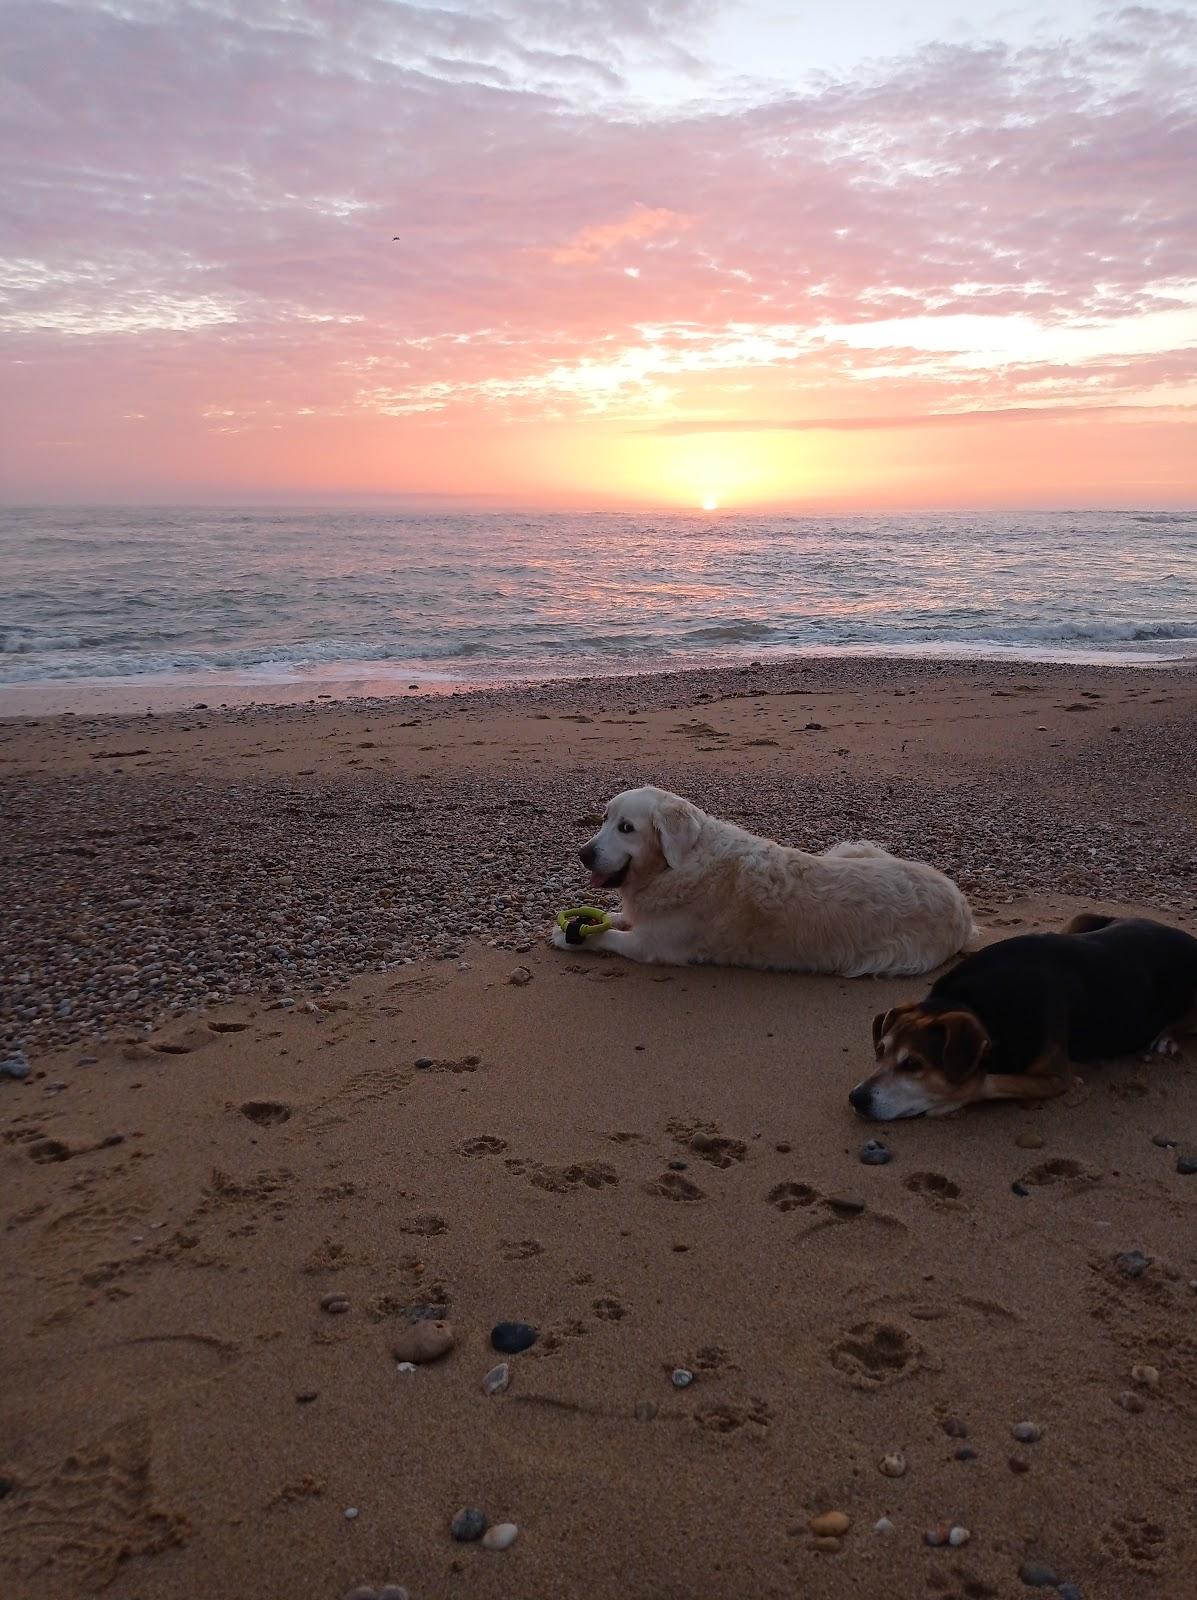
579,922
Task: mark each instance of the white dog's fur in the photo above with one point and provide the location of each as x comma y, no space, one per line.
698,890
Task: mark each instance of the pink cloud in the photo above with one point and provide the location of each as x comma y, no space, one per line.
199,201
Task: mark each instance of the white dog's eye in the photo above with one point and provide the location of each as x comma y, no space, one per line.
626,827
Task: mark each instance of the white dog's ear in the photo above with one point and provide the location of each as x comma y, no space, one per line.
676,824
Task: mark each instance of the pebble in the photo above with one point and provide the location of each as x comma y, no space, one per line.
1164,1142
393,1591
334,1304
1069,1591
883,1525
678,1166
422,1342
947,1533
830,1524
1029,1140
958,1535
497,1379
306,1396
954,1428
423,1062
1130,1401
1186,1164
1132,1263
1020,1189
828,1544
512,1337
501,1537
893,1465
875,1154
681,1377
520,977
1146,1377
351,1513
405,1366
1038,1575
16,1067
1027,1432
966,1453
469,1524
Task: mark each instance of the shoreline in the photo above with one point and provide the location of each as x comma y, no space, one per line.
348,682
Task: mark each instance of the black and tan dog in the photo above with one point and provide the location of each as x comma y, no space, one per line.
1006,1022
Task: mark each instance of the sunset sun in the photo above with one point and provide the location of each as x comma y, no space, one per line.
710,503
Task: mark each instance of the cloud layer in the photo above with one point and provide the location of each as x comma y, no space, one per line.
199,201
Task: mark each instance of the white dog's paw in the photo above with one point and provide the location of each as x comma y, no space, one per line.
1165,1045
558,940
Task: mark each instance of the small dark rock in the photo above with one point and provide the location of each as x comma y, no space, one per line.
1132,1263
966,1453
511,1338
423,1062
1038,1575
306,1396
335,1304
469,1524
783,1149
1019,1189
954,1428
678,1166
1186,1164
875,1154
1164,1142
1027,1432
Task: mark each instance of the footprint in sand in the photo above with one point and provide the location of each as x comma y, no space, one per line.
1060,1170
426,1225
561,1180
672,1186
485,1144
873,1354
935,1188
716,1149
266,1113
722,1417
789,1196
608,1309
521,1249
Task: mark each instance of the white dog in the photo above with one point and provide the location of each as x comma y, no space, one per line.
698,890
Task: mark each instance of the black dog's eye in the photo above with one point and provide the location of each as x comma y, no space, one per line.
907,1064
626,827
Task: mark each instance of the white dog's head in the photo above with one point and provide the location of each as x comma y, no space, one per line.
644,832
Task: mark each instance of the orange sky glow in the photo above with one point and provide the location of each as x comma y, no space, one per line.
655,253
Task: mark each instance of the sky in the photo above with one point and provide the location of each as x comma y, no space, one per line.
651,253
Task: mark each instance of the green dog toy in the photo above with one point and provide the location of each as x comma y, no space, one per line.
579,922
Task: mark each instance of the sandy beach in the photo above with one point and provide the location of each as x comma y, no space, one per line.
295,1039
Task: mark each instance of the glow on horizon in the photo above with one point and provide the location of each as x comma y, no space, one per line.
946,260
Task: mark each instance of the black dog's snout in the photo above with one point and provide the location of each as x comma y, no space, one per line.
586,855
859,1098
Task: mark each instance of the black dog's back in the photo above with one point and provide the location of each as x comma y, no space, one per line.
1106,991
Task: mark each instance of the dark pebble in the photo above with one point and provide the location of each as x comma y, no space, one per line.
1038,1575
966,1453
423,1062
954,1428
469,1524
512,1337
1069,1591
306,1396
1164,1142
1019,1189
678,1166
783,1149
875,1154
1186,1164
1132,1263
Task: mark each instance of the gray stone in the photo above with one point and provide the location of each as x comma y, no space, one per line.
1038,1575
468,1525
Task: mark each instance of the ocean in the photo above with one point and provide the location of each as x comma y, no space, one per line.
278,603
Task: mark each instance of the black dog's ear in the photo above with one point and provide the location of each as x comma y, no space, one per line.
881,1024
965,1044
